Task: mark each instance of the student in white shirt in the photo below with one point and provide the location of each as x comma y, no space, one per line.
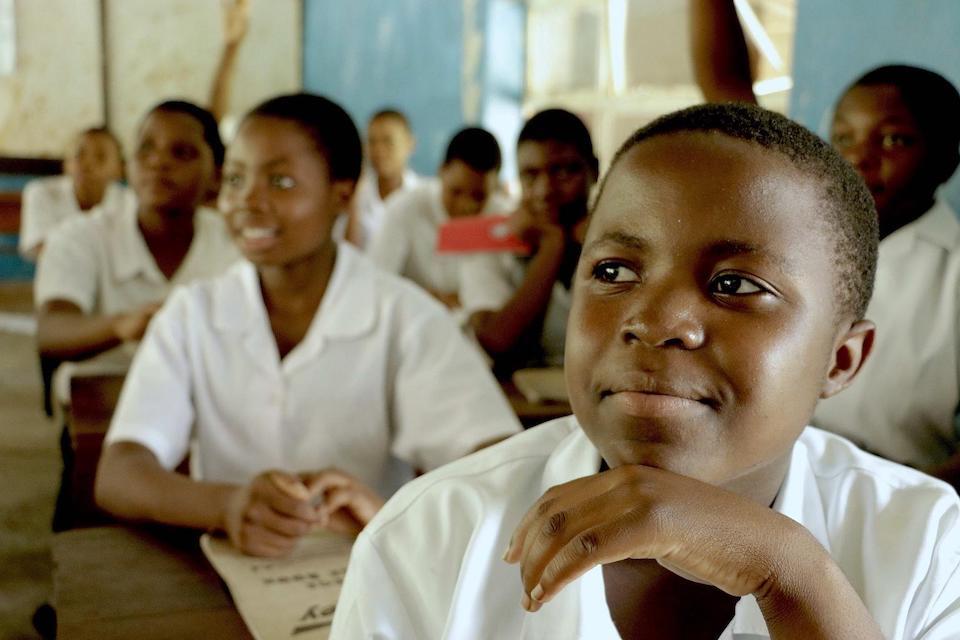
898,126
91,170
390,143
686,498
303,377
467,185
517,307
111,271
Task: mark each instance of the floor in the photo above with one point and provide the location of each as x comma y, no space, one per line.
29,470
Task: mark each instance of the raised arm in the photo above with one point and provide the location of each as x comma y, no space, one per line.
236,20
721,61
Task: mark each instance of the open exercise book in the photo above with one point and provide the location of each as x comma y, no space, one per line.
292,597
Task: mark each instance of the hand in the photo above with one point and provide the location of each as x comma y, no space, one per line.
269,516
539,234
347,504
449,300
129,327
236,20
696,530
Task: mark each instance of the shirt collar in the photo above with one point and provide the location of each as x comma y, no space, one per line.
129,249
939,225
349,307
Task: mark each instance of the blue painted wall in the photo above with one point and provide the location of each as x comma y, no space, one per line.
367,54
837,41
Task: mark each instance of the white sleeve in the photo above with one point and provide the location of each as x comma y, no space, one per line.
390,245
370,605
485,282
155,407
69,267
446,402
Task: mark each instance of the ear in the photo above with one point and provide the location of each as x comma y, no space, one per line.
341,191
851,350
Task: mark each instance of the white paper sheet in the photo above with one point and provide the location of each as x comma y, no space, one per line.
292,597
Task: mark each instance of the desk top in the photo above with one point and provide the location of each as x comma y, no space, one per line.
147,583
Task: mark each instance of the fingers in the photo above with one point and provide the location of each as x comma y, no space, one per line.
361,502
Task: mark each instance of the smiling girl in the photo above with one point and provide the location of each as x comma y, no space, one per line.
309,382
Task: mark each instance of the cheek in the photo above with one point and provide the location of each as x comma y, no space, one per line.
591,330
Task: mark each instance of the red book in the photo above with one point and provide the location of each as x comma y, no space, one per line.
479,234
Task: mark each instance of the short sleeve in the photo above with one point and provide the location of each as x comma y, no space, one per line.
446,401
155,407
486,282
69,268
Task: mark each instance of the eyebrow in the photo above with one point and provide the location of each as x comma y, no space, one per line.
263,165
621,238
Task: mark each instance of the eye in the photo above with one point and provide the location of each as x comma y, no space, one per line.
896,140
282,182
614,272
232,179
185,153
734,285
841,139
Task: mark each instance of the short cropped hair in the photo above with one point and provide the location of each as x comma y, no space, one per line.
849,213
932,100
392,113
211,132
476,148
559,125
326,123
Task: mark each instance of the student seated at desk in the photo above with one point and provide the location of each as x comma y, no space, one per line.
91,171
390,143
517,307
305,383
407,242
103,276
720,293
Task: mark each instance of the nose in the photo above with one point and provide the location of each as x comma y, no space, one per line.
665,317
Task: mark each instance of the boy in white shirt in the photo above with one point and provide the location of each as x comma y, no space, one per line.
390,143
467,185
310,383
720,293
91,171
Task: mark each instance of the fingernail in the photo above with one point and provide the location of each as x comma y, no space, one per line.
537,593
506,554
525,602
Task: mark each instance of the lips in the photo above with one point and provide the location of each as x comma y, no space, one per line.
644,396
255,239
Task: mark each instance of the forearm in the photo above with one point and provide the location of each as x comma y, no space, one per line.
721,61
75,336
220,89
498,331
809,598
131,484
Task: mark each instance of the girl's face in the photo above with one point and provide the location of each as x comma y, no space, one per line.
277,195
173,167
93,162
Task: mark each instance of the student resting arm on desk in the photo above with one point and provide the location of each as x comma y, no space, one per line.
518,306
103,276
309,382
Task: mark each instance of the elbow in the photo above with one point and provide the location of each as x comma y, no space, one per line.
491,337
112,484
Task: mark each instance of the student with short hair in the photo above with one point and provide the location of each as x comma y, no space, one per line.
92,169
305,383
390,143
104,275
720,293
467,186
518,306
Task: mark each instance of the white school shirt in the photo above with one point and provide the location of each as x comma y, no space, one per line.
370,207
101,263
407,242
383,375
903,402
48,202
487,282
429,564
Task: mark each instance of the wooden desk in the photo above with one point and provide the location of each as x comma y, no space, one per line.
145,583
532,413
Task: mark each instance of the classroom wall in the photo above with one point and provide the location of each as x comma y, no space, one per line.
836,42
440,61
157,49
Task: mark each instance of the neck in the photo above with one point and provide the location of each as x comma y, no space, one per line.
901,214
166,222
88,196
299,285
389,184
